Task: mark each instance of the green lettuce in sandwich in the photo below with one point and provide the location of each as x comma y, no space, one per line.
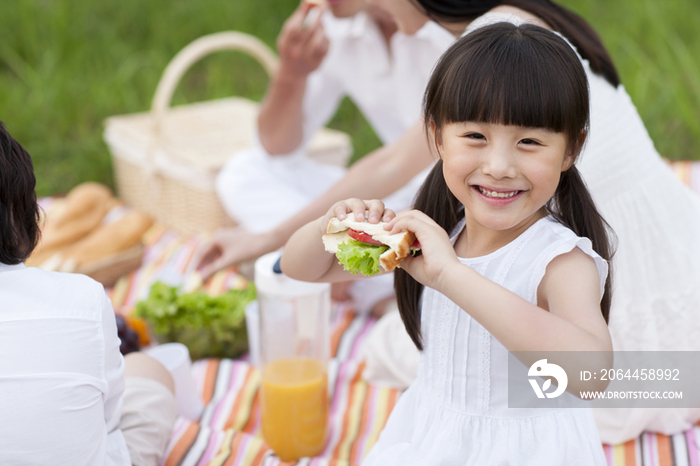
362,247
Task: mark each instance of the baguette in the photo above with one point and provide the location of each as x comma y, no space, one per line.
81,212
80,201
108,239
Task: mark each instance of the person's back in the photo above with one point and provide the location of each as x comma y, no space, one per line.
61,378
656,219
67,396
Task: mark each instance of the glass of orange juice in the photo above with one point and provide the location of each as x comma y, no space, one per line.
294,351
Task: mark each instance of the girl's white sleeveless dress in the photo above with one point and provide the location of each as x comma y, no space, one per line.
656,268
456,412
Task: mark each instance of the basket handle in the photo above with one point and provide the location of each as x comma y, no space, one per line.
198,49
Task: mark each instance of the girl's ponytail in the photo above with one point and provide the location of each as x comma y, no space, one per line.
572,205
437,201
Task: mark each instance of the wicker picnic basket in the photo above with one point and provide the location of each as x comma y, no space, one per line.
166,160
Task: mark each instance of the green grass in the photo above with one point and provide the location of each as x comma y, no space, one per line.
66,65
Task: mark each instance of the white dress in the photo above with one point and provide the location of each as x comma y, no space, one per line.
456,412
656,269
656,298
656,303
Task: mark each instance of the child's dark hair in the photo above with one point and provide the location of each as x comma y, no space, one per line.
19,212
565,22
512,75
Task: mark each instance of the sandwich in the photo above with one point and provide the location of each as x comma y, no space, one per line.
313,13
361,247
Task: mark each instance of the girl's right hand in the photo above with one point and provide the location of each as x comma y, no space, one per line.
374,211
437,253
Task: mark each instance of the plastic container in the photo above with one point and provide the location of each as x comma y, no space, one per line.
294,351
176,359
252,322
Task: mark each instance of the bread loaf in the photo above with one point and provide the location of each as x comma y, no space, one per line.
108,239
80,201
80,213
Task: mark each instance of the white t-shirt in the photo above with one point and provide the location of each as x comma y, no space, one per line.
386,84
61,372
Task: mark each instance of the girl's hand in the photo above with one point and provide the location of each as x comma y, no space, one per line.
437,252
373,210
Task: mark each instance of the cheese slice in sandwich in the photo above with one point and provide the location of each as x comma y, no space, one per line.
398,246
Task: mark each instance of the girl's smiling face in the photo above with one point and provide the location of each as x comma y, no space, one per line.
503,174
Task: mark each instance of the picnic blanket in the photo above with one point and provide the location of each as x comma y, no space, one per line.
229,431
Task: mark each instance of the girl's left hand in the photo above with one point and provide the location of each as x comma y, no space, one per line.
437,252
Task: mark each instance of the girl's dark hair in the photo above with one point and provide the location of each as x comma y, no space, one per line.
512,75
565,22
19,212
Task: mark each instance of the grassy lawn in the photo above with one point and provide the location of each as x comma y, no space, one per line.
66,65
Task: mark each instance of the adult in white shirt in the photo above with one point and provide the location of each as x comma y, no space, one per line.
64,398
352,50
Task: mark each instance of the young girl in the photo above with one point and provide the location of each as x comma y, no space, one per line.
513,255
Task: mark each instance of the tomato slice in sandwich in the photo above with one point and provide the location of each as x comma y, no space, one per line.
363,237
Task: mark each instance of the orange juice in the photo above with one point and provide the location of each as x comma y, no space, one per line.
294,407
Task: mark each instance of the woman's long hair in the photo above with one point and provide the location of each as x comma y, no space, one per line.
512,75
565,22
19,212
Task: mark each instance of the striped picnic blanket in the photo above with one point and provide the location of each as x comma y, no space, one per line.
229,431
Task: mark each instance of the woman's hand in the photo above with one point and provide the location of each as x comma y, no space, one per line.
437,252
230,246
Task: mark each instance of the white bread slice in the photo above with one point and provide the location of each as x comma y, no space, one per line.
333,240
399,244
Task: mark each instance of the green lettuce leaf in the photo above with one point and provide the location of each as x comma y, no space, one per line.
357,257
210,326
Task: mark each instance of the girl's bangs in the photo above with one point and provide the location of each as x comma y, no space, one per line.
499,74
